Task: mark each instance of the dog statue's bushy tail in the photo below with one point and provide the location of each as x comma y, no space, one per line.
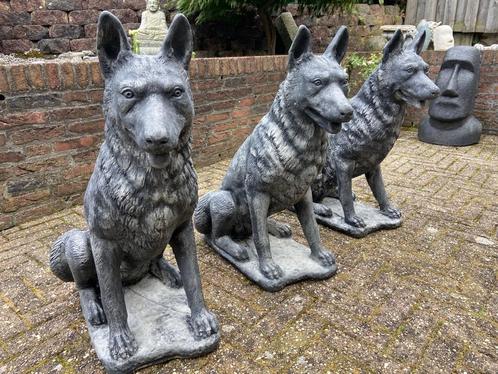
202,214
57,259
75,244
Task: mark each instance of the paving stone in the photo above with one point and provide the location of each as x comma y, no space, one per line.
419,298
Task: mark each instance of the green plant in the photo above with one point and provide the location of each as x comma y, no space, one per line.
205,10
362,65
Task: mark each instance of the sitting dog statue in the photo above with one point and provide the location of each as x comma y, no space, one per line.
274,167
364,142
143,190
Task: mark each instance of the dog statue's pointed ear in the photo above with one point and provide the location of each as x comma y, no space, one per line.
418,43
393,46
178,44
112,42
300,45
338,46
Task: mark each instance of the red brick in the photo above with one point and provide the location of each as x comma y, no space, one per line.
13,204
91,30
87,127
36,76
54,46
217,117
19,119
11,156
66,31
6,221
78,112
33,134
16,46
18,78
4,83
81,170
26,5
3,139
87,44
125,15
45,209
81,74
37,150
52,75
97,79
31,32
95,96
102,4
75,98
83,17
70,188
84,141
241,113
67,74
48,17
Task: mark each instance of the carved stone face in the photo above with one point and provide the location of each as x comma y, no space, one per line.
443,38
458,81
153,5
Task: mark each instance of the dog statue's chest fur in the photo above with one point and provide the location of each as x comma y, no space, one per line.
282,156
138,205
371,134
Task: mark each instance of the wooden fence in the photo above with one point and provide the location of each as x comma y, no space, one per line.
466,16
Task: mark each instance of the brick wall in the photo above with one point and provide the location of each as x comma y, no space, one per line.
56,26
51,124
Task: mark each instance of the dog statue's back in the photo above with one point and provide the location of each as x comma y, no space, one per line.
143,190
364,142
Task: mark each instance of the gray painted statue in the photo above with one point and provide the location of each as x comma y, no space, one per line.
140,198
274,167
364,142
450,120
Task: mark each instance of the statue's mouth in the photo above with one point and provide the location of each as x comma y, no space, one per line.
324,123
409,99
158,161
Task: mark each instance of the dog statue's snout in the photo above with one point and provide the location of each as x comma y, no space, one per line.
157,141
435,92
346,112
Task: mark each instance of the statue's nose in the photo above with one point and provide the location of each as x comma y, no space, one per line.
451,89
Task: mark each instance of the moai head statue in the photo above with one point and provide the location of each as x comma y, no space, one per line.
451,121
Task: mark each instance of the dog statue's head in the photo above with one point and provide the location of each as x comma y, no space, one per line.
403,72
316,85
148,97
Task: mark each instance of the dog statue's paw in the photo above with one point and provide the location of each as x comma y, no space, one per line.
270,269
278,229
204,324
91,307
234,249
391,212
355,221
324,258
166,273
122,344
322,210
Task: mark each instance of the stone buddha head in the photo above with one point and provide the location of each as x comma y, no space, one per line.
458,80
153,5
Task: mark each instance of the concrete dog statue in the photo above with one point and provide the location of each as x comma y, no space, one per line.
143,190
365,141
274,167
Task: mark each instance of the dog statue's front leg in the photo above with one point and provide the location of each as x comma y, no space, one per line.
107,259
376,183
344,176
259,203
203,322
304,210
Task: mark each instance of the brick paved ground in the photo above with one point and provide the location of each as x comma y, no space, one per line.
421,298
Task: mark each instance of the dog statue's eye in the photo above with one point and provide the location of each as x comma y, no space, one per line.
317,82
410,69
426,69
344,82
177,92
128,93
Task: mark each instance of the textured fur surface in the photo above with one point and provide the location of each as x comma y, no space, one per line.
143,190
274,167
364,142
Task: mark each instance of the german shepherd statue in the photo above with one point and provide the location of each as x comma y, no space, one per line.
275,166
143,190
364,142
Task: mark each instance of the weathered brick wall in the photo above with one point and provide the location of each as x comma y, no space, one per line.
56,26
363,25
486,104
51,124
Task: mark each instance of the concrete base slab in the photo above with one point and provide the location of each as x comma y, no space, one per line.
292,257
372,216
157,316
